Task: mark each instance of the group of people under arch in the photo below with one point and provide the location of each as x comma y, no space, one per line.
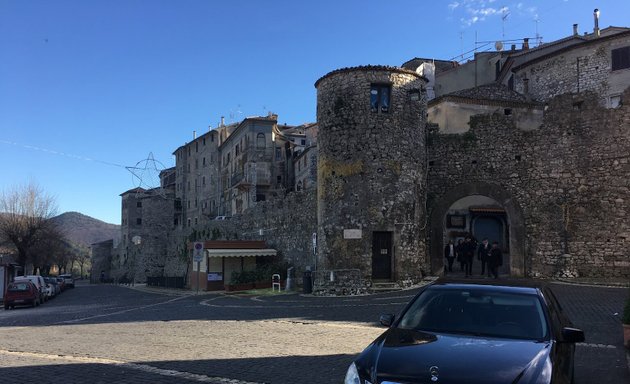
465,252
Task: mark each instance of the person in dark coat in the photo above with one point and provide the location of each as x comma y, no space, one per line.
459,249
482,255
495,259
469,255
450,253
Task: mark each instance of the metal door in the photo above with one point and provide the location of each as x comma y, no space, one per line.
381,255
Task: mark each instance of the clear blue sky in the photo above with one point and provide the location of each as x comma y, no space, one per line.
88,87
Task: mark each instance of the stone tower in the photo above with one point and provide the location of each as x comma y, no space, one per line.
372,172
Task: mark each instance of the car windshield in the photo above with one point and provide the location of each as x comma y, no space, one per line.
18,287
479,312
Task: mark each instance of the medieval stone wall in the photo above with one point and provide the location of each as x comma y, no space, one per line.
371,169
285,223
567,180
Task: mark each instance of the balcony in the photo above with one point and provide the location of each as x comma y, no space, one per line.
245,179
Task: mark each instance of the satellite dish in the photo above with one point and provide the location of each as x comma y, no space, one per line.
498,45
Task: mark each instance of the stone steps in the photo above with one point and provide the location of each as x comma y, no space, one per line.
379,287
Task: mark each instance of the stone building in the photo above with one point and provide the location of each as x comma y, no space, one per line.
527,147
371,181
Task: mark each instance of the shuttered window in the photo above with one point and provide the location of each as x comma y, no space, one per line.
621,58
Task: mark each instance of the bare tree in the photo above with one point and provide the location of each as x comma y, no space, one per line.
25,213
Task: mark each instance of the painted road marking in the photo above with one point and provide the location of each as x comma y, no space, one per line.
138,367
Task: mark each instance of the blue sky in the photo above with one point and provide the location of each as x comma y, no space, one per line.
89,87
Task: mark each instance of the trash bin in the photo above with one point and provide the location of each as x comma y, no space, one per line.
307,282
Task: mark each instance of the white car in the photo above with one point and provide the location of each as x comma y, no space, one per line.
68,279
39,283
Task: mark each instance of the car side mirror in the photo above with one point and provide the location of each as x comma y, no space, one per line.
387,320
572,335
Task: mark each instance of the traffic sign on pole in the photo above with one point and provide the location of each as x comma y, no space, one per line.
198,252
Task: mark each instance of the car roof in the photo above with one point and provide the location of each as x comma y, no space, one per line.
502,285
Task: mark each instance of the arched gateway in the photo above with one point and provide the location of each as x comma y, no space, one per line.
513,213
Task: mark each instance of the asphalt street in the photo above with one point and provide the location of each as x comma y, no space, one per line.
113,334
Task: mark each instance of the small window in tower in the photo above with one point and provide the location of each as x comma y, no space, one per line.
139,204
414,95
380,98
139,221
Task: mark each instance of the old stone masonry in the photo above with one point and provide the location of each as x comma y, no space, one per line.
528,147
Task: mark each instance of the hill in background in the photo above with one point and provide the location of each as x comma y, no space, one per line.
84,230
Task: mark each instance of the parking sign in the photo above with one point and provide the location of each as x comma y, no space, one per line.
198,252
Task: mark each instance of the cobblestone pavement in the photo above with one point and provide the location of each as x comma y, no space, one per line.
111,334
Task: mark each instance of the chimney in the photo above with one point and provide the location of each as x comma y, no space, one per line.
575,30
525,43
222,121
596,17
194,135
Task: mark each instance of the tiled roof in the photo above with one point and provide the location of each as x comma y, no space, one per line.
494,92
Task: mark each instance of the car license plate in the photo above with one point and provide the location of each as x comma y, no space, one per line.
19,301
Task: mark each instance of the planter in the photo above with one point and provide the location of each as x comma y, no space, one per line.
239,287
626,335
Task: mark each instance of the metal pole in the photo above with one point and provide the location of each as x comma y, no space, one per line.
198,270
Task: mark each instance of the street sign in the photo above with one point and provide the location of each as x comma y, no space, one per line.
198,252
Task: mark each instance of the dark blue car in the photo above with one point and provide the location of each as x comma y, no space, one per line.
473,332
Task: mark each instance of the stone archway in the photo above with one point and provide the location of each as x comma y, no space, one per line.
504,198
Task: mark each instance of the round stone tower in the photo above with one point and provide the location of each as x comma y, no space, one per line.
371,173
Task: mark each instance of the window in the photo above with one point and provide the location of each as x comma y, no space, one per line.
197,147
236,149
139,221
203,180
196,163
188,223
303,142
379,98
510,83
203,141
203,161
196,221
278,153
139,204
260,141
621,58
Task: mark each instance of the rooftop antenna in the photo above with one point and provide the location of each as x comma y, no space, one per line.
538,38
461,44
504,17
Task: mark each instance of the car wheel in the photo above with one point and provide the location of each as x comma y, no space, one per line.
6,307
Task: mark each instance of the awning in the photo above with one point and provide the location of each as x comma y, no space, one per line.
486,210
240,252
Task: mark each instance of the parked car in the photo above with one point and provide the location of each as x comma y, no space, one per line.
222,218
62,283
21,293
68,279
39,283
52,281
473,332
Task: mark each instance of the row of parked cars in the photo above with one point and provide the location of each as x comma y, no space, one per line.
33,290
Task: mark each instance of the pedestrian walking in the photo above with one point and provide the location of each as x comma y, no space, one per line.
495,259
449,254
469,255
482,255
459,250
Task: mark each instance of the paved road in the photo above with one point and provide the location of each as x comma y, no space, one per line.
110,334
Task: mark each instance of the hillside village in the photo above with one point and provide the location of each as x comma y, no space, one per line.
525,145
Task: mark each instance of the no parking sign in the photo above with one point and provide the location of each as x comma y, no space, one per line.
198,252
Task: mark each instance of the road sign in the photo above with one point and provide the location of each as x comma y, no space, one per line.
198,252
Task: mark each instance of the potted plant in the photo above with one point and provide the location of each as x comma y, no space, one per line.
626,323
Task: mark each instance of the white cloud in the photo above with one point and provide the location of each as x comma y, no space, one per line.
453,5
